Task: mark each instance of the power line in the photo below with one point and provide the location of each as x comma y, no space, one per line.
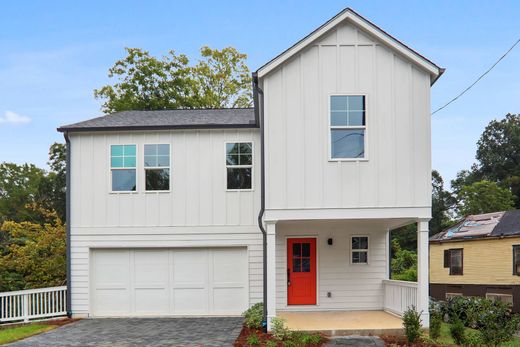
478,79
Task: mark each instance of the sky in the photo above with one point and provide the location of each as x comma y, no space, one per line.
53,54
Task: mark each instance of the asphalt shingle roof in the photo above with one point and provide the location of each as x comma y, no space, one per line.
168,119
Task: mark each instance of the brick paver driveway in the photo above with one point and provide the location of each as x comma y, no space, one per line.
122,332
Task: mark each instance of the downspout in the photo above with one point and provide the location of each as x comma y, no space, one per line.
67,223
259,117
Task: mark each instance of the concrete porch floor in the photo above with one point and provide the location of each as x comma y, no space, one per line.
341,323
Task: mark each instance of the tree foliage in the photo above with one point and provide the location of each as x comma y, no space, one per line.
404,263
442,204
219,79
484,197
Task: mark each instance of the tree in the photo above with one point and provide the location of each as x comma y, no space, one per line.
220,79
52,188
442,203
498,153
403,264
484,197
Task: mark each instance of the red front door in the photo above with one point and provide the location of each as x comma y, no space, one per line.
301,271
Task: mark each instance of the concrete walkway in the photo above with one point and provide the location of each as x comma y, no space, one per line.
356,341
125,332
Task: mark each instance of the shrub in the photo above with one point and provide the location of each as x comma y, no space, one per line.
473,338
254,315
310,339
497,324
457,332
253,340
279,330
412,324
270,343
435,324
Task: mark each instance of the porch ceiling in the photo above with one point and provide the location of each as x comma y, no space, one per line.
374,224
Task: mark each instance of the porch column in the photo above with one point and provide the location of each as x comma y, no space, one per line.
423,271
271,271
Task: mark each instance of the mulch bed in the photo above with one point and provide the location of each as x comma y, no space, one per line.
402,341
241,340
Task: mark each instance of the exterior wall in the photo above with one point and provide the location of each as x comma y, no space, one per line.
438,291
197,212
353,286
397,170
484,262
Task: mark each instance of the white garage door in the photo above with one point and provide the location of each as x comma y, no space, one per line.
140,282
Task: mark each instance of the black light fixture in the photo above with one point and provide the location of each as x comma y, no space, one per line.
329,242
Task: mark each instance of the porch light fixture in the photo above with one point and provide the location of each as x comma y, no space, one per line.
329,242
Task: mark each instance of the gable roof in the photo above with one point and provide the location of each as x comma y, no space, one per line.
353,17
496,224
168,119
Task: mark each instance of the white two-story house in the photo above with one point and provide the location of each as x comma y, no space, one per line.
206,212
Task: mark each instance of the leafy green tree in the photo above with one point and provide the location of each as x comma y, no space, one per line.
220,79
403,264
484,197
442,203
52,188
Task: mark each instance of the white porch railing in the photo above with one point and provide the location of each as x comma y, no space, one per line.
399,295
29,304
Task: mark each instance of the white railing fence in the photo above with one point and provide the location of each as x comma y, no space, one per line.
399,295
25,305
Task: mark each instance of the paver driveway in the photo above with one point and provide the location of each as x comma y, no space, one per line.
122,332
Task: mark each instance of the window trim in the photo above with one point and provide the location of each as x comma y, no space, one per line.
158,167
240,166
330,128
110,168
500,295
515,273
461,261
360,250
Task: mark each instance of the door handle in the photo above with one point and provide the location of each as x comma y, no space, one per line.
288,277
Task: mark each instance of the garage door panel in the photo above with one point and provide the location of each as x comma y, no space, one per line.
151,267
151,301
190,268
112,302
190,301
111,268
228,300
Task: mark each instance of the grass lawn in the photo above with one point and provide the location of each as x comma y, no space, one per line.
446,339
20,332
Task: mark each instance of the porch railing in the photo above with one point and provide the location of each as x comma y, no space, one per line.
399,295
24,305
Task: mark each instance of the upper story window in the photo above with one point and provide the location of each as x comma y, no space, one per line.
239,165
347,126
516,260
157,167
359,250
123,168
453,258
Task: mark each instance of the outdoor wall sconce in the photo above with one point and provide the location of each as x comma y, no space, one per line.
329,241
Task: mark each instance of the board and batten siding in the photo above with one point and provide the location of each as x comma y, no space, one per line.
397,169
197,212
485,261
352,286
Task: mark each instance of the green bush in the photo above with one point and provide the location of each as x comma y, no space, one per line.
412,324
270,343
497,324
279,329
435,324
473,338
457,331
254,315
253,340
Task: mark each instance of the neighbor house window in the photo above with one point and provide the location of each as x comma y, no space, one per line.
516,260
507,298
455,261
347,126
123,168
452,295
157,167
359,250
239,165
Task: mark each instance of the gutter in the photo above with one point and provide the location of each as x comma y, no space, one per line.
259,117
67,224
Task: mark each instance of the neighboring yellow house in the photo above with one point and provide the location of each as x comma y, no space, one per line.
479,256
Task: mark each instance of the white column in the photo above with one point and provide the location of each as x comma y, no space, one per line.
271,271
422,271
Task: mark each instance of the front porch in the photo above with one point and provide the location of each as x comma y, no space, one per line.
341,323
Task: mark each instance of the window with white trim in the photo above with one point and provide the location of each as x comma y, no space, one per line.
123,168
157,167
239,165
347,126
359,250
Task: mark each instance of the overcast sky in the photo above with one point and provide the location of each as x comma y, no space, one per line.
54,53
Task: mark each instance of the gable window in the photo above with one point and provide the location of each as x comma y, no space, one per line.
157,167
516,260
456,261
347,126
239,165
123,168
359,250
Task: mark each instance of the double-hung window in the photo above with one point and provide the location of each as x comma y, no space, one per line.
347,126
453,259
239,165
123,168
359,250
516,260
157,167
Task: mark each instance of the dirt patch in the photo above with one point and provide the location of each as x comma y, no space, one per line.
263,338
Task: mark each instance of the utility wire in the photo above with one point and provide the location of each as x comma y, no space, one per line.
478,79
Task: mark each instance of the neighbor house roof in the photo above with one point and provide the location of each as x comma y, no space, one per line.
496,224
168,119
364,24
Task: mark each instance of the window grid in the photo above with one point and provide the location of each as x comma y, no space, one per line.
357,251
123,158
239,155
157,158
336,127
